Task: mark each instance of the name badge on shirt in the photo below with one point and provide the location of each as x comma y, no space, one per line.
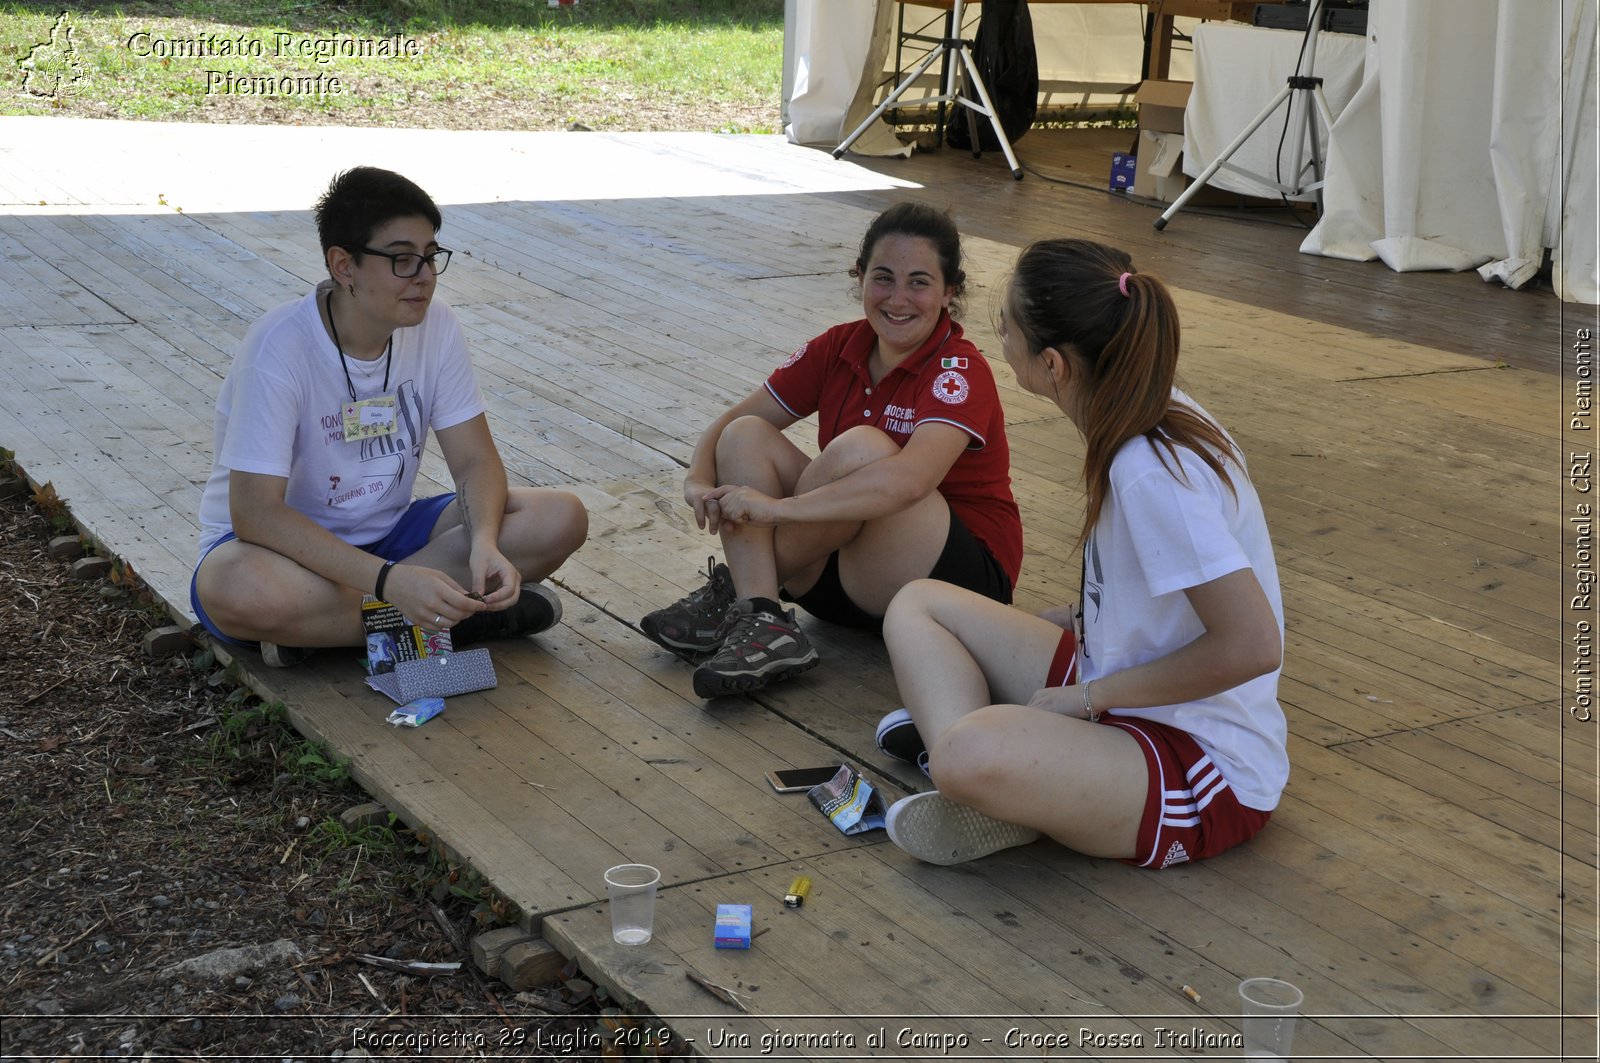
369,417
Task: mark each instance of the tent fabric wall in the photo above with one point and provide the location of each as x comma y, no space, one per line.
826,43
1455,151
1238,68
1088,53
1570,224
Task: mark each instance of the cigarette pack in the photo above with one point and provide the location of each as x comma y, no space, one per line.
392,639
733,926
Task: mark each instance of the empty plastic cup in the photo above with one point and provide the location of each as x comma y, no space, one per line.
1270,1008
632,888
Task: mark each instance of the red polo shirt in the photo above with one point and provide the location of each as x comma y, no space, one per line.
945,381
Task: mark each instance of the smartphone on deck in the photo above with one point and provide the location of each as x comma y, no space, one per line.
793,780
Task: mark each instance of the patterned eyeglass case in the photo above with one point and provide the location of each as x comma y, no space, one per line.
437,677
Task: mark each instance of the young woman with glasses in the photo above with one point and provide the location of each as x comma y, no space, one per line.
320,428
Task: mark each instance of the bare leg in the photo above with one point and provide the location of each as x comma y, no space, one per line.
752,453
956,655
1084,784
542,527
955,651
876,557
256,594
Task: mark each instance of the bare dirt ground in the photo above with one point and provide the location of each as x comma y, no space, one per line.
152,814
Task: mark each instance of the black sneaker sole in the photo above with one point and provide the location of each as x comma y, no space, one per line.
715,685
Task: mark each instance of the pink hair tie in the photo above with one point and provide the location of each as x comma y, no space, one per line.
1122,284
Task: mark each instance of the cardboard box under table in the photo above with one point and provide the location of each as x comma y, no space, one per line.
1160,175
1160,147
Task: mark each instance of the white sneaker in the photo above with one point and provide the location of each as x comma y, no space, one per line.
936,830
276,656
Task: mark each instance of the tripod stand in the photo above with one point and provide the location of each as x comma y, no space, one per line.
952,45
1303,90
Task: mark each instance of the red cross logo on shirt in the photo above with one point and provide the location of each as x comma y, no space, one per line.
951,387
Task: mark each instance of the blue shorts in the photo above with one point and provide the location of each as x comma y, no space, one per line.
409,534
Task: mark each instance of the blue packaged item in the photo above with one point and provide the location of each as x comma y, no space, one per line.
733,926
417,713
1124,168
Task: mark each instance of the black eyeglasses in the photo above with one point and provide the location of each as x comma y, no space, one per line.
408,264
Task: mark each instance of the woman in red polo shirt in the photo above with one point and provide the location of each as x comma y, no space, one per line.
913,481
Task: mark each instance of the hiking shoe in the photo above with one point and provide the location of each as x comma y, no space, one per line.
898,738
276,656
936,830
758,648
537,609
693,625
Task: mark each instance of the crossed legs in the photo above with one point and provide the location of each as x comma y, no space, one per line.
967,667
256,594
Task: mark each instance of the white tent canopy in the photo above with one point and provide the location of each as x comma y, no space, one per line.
1470,142
839,60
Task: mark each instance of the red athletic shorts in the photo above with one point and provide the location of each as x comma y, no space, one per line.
1191,812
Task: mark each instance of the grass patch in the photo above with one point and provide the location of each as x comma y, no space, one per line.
489,64
256,736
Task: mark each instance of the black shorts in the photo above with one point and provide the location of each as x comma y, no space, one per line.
964,562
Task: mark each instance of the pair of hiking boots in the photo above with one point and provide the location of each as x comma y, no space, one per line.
736,644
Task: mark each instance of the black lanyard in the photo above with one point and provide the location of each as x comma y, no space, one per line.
388,354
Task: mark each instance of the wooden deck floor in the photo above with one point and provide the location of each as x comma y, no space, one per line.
1429,879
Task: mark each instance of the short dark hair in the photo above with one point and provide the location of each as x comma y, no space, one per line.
360,200
911,218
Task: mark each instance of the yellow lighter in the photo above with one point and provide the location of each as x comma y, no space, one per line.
797,892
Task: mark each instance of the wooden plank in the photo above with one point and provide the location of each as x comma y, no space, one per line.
328,706
1537,812
887,975
1440,797
833,714
1187,944
1434,830
1525,631
1486,955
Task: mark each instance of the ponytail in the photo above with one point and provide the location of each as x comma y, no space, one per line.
1076,295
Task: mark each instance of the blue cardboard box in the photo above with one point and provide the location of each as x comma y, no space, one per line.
733,926
1124,168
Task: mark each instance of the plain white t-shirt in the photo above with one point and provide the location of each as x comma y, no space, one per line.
280,413
1157,536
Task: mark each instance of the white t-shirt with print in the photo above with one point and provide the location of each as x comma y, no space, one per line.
280,413
1156,537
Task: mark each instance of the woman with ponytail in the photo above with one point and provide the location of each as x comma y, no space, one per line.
1143,726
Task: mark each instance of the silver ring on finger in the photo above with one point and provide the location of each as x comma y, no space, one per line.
438,621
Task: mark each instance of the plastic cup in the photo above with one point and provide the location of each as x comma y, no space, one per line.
1270,1008
632,888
